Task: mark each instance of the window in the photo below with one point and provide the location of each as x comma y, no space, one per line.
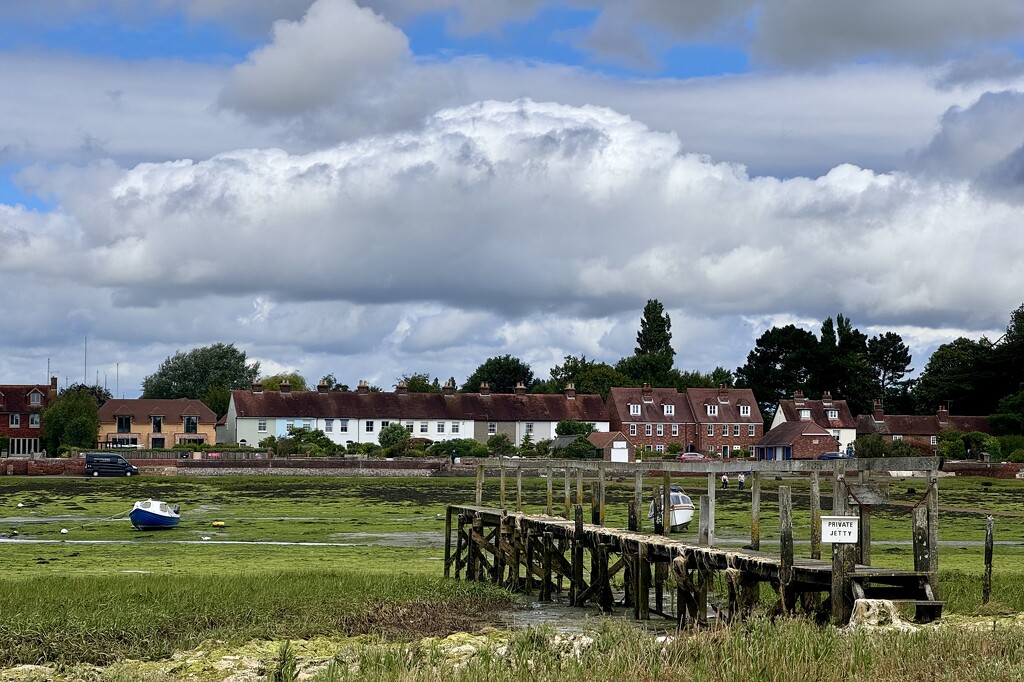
342,426
725,429
369,426
675,429
647,430
659,447
896,439
36,399
935,440
424,427
440,427
307,424
670,410
711,429
632,429
261,425
33,420
833,414
712,410
455,427
289,424
634,410
124,423
328,426
648,447
492,428
744,410
158,443
805,415
191,424
408,426
158,424
384,424
751,430
835,434
735,450
736,429
529,428
661,429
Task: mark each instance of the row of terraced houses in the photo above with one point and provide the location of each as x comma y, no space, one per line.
720,421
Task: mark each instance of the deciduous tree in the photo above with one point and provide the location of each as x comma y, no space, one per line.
193,374
501,374
296,382
72,419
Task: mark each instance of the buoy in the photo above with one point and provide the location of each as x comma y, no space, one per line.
20,505
63,531
218,524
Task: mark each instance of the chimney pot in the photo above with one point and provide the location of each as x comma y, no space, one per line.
449,388
485,388
322,387
286,387
570,391
401,388
364,388
257,387
520,388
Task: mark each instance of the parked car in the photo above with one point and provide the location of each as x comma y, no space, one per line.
109,465
836,455
693,457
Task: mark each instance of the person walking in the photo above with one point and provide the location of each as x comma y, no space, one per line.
725,481
741,480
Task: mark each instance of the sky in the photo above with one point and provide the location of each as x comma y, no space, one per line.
389,187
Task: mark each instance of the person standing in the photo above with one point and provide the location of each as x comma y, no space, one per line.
725,481
741,480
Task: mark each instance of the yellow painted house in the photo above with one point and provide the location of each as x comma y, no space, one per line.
154,423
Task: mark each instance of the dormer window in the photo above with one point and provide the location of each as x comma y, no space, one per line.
744,410
805,415
634,410
712,410
670,410
833,414
35,399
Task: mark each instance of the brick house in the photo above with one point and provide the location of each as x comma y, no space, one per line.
920,431
831,415
720,420
801,439
613,446
156,423
21,407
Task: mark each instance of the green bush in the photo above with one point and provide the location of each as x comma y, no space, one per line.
1017,456
500,444
1010,444
674,448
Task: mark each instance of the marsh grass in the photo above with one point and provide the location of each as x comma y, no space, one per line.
109,618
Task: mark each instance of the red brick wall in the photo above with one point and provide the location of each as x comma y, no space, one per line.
640,441
718,440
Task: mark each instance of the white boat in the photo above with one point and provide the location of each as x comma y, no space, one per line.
153,514
682,509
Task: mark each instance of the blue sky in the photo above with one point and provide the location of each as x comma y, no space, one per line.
180,173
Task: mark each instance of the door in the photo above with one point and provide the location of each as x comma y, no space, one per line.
725,451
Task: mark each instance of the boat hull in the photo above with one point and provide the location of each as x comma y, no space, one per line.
154,517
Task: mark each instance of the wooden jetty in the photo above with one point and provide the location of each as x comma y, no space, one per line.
562,555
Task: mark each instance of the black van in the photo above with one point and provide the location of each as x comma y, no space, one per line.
109,465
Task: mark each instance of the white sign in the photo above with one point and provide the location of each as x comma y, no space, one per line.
840,529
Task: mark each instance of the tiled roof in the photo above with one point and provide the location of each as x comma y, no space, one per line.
728,401
602,439
819,412
15,398
787,433
919,425
143,408
460,406
652,403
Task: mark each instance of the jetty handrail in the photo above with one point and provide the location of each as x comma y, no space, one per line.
721,466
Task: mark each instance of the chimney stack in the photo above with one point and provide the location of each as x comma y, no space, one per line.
943,414
827,395
364,388
52,393
520,388
286,387
485,388
322,387
570,391
401,388
449,388
878,414
798,395
257,387
646,389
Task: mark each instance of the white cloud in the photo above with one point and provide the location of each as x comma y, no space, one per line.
335,52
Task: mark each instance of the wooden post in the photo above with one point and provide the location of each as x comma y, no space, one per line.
551,492
595,513
920,539
498,565
447,540
933,531
643,584
702,524
986,587
545,589
519,488
628,572
863,528
460,544
604,589
638,498
568,502
501,487
600,495
815,515
576,585
755,511
842,554
666,504
475,565
530,541
786,547
579,485
479,484
517,537
711,509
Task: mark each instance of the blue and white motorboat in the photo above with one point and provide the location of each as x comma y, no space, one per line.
154,514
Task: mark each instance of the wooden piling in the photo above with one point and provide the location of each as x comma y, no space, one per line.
755,511
666,504
551,492
601,498
638,497
932,501
815,515
545,590
712,482
604,593
579,485
479,484
786,548
568,502
702,522
519,490
501,485
475,555
576,584
842,554
460,545
643,583
986,587
447,540
530,540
